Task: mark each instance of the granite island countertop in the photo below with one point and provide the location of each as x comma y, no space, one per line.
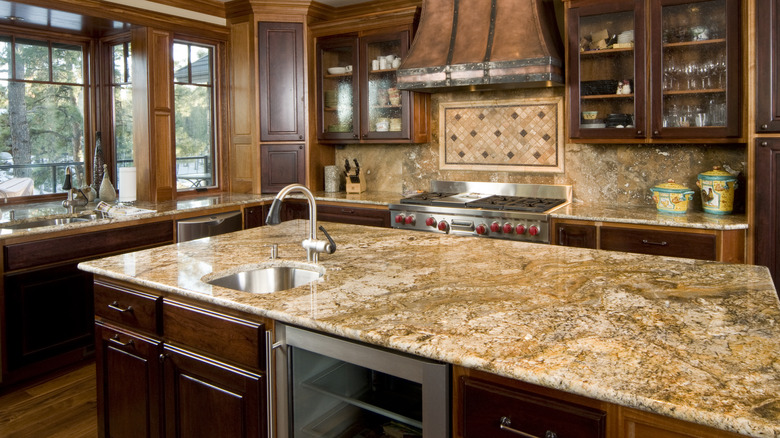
693,340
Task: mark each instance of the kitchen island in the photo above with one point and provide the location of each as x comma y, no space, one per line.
693,340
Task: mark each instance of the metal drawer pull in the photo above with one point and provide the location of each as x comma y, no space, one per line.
115,306
347,211
647,242
115,340
505,424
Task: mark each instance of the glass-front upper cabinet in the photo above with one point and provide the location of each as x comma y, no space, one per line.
386,108
607,73
696,49
337,58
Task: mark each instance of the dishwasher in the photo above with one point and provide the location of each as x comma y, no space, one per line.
207,226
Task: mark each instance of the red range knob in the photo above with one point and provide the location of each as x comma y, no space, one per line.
410,219
443,226
520,229
431,222
481,229
495,227
399,219
533,230
508,228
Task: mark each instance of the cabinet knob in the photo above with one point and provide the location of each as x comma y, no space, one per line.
656,132
764,143
163,357
300,137
639,132
300,146
764,126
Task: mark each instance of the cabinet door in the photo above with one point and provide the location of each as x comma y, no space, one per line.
281,165
607,50
768,66
580,236
354,215
255,216
663,243
205,398
129,385
338,103
384,109
48,312
768,206
695,62
282,108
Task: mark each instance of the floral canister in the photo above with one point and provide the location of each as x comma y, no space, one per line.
717,191
671,197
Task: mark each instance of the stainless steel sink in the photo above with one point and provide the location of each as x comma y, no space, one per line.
267,280
46,223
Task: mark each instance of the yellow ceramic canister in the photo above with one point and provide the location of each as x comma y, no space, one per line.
717,191
671,197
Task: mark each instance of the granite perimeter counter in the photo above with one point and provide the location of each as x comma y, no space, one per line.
688,339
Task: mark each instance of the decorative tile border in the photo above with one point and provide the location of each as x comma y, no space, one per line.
517,135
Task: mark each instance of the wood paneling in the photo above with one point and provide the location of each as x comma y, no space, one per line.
281,76
244,118
282,164
767,209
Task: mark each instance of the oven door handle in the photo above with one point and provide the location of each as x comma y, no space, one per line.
458,225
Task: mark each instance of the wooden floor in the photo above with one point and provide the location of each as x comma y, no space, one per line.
61,406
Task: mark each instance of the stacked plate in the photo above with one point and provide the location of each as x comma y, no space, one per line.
395,124
626,37
331,98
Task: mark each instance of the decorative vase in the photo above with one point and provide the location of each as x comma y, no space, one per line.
97,164
107,192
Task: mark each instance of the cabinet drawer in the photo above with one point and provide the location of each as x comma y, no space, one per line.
129,308
665,243
222,336
486,404
354,215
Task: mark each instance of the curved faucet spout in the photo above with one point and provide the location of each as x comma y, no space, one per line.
312,245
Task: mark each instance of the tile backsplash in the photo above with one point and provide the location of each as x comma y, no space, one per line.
614,173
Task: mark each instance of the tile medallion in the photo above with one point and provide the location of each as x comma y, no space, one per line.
520,135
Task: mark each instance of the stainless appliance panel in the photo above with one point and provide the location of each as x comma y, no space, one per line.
207,226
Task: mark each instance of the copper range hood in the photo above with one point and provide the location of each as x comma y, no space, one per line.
483,44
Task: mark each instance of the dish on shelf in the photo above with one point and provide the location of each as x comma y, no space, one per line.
593,125
337,70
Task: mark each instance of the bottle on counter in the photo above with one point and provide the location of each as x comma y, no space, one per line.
97,164
107,192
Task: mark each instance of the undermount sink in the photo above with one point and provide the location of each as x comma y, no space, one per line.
267,280
46,223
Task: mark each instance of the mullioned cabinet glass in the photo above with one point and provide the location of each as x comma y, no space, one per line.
338,86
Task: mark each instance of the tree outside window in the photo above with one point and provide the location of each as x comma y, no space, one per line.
193,87
122,104
41,115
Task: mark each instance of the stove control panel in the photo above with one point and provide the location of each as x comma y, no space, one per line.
526,229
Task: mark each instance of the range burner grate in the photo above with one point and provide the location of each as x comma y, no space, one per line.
516,203
426,198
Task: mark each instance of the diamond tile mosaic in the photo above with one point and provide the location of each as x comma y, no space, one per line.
518,135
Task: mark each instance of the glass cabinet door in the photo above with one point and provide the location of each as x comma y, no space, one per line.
337,84
385,108
607,62
695,45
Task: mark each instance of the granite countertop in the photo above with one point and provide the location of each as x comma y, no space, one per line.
690,339
649,215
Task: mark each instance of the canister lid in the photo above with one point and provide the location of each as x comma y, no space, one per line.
717,174
670,187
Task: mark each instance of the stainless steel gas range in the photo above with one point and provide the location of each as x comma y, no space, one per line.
496,210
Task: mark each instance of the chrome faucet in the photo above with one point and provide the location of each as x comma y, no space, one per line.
71,201
311,244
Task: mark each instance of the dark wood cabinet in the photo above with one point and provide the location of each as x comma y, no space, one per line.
767,66
48,314
354,215
255,216
580,236
767,206
282,165
207,398
130,405
281,75
664,243
358,100
686,87
494,407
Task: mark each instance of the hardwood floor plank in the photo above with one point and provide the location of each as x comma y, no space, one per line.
63,406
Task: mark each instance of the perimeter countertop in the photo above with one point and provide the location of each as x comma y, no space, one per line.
694,340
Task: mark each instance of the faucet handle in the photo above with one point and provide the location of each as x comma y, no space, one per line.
331,248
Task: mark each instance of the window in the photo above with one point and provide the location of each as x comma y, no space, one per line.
41,115
194,97
122,104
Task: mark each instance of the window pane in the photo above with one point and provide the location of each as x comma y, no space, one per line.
201,65
194,136
32,60
123,126
41,133
5,57
118,55
181,70
67,61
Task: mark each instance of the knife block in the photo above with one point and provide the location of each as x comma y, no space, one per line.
355,183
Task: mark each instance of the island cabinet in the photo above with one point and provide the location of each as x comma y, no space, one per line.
767,159
171,368
254,216
702,244
647,71
767,66
486,405
341,212
358,100
47,301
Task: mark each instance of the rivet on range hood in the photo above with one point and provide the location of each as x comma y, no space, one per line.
481,44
